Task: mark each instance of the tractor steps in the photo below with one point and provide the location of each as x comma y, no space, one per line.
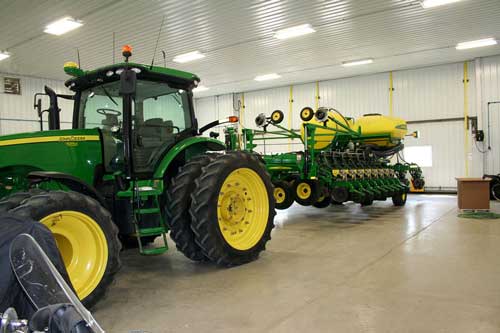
151,231
146,202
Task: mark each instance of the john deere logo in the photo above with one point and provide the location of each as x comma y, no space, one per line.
71,138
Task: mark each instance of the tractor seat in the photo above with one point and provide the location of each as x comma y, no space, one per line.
152,135
110,121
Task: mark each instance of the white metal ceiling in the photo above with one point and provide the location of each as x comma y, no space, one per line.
237,36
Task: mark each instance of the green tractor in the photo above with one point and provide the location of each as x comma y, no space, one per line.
132,168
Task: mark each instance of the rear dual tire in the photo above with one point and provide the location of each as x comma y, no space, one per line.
232,209
179,201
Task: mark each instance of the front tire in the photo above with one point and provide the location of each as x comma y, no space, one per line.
232,209
85,235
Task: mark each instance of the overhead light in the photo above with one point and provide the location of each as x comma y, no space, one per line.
296,31
357,62
435,3
186,57
476,43
62,26
200,89
266,77
4,55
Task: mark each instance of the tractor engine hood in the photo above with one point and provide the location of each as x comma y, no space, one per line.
75,152
55,136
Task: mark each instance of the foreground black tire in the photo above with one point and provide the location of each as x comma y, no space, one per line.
178,203
86,237
283,194
232,209
15,199
399,199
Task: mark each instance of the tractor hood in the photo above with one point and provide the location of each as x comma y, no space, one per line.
76,152
60,136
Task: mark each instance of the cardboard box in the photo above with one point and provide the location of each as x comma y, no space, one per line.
473,193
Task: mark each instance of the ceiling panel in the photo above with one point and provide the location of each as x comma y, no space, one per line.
237,36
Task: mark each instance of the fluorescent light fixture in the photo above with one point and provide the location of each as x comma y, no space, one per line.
200,89
266,77
190,56
476,43
4,55
296,31
357,62
435,3
62,26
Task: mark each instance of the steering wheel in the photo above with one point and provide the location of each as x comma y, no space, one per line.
106,111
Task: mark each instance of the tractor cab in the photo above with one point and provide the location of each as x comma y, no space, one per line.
140,124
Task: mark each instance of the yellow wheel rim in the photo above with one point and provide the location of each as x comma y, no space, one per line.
321,197
304,191
243,209
276,116
403,196
279,195
306,113
83,248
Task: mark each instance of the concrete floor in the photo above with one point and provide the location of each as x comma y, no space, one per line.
340,269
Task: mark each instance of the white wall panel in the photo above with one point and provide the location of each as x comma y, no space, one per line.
429,93
208,109
16,111
356,96
303,95
438,93
447,143
490,92
266,101
205,110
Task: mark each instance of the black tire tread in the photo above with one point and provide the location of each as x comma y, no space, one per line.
177,209
15,199
204,200
35,207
